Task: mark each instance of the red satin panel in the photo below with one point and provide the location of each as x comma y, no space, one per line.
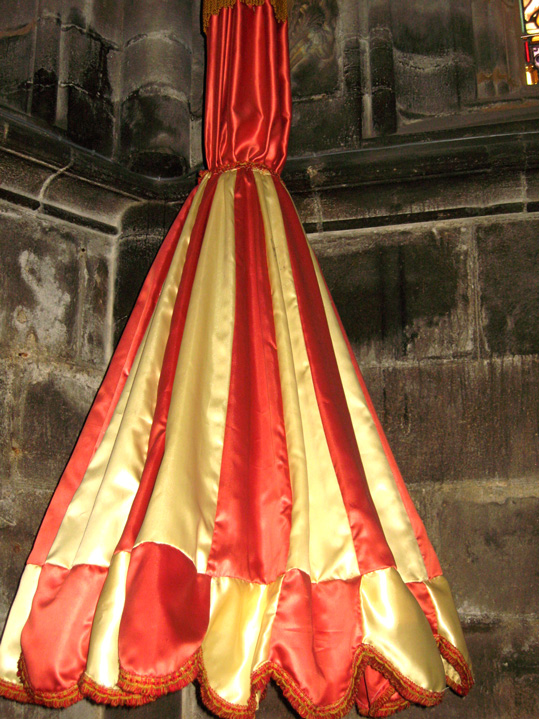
373,690
432,564
248,101
56,636
421,593
109,392
156,442
316,633
369,540
252,523
166,612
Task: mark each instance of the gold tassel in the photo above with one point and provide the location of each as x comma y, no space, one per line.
213,7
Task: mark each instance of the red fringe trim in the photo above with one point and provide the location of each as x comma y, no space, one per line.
135,690
17,692
452,655
113,697
55,700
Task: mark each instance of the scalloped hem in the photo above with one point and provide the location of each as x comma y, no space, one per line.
136,690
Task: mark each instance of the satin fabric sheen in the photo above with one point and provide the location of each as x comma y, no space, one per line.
232,512
248,101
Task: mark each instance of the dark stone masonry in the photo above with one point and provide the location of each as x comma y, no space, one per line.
414,163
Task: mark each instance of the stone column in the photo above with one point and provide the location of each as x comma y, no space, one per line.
155,116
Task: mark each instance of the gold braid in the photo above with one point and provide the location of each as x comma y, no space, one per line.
212,7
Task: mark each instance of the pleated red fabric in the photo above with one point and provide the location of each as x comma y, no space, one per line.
232,512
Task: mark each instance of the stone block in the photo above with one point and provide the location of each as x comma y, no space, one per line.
149,219
169,705
142,17
39,288
6,416
328,123
52,403
489,547
87,76
425,86
15,16
384,111
420,28
89,203
107,20
505,657
158,61
155,134
76,13
428,197
23,176
46,69
15,59
405,295
90,121
457,420
54,291
135,256
509,285
22,507
82,710
95,334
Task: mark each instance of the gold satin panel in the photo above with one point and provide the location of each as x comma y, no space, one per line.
315,490
394,623
106,493
237,641
385,494
10,648
182,508
447,617
103,660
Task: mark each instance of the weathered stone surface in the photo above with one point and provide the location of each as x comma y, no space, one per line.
152,16
168,706
404,294
426,199
505,656
509,286
324,124
155,134
54,290
460,419
107,19
82,710
15,55
24,176
87,76
52,402
94,204
160,61
135,256
43,410
38,287
95,306
46,68
490,550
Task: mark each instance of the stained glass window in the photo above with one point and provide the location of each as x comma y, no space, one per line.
529,15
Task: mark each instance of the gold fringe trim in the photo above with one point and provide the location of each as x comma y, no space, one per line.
213,7
135,690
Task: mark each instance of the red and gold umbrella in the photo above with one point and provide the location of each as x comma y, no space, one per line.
232,512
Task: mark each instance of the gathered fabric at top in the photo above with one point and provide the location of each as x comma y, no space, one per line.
232,512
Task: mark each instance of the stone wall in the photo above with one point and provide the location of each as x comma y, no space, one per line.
414,168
